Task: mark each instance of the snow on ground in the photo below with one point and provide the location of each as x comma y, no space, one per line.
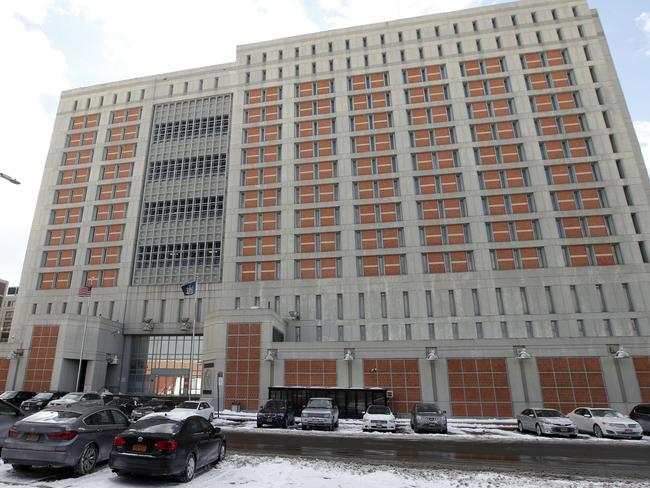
266,472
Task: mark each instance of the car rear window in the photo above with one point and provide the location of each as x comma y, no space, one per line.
549,413
54,416
428,408
72,396
160,425
43,396
274,406
8,395
319,403
378,409
192,405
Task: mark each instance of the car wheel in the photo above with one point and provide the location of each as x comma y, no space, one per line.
538,430
222,452
87,461
190,469
119,472
638,438
211,417
598,432
22,467
336,424
259,425
285,425
444,431
520,426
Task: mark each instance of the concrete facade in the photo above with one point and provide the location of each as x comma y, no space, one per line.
469,182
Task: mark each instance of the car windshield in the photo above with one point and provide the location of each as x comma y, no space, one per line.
428,408
604,412
72,396
190,405
156,425
549,413
274,406
319,403
7,395
53,416
44,396
378,410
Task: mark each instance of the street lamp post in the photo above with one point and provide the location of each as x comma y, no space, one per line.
9,179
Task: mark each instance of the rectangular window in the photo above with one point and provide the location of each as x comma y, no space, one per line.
407,332
318,307
237,303
407,306
555,329
341,333
504,329
339,306
384,305
608,327
429,302
530,333
452,303
384,332
575,299
549,299
635,327
454,330
581,328
362,306
362,332
628,297
601,294
500,306
476,302
319,333
432,331
297,333
296,304
479,330
524,300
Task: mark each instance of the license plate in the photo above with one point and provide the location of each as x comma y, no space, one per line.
139,448
32,437
564,429
629,431
269,419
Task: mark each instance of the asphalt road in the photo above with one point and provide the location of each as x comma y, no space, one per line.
569,459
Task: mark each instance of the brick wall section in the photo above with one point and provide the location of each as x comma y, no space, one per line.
243,365
314,372
4,372
402,376
479,387
41,358
642,367
571,382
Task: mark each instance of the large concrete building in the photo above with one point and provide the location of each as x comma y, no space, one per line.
451,207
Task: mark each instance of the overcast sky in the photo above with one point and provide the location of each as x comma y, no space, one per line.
47,46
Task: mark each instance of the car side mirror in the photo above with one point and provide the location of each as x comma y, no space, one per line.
363,413
532,415
587,415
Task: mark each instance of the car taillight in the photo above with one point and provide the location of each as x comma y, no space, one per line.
13,432
68,435
119,442
168,446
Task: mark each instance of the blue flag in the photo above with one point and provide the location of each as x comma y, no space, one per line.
189,288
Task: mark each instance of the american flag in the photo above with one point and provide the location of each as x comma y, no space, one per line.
85,291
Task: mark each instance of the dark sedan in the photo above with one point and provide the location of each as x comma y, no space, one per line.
40,401
9,415
66,436
641,413
167,446
16,397
276,413
152,406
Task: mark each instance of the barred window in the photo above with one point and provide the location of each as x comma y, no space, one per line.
184,129
198,166
183,209
179,254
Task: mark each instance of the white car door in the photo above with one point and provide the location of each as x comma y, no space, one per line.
577,418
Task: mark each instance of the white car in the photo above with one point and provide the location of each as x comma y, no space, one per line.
194,407
378,417
605,422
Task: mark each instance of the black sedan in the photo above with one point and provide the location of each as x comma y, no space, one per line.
276,412
125,404
154,405
40,401
16,397
167,446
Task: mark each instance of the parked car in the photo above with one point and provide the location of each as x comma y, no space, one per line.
605,422
168,447
40,401
276,412
378,417
428,417
74,436
125,404
195,407
16,397
320,412
78,399
546,421
9,415
641,414
155,405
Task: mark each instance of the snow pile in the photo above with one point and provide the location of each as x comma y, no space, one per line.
265,472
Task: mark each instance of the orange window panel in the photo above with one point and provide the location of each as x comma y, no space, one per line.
505,259
501,108
74,140
328,268
70,236
437,93
358,82
360,102
392,265
307,218
248,246
421,138
529,258
578,256
493,65
432,235
328,242
367,214
133,113
122,190
251,177
501,232
472,68
456,234
590,198
251,156
519,203
475,88
453,208
560,174
554,57
383,142
506,130
379,100
429,209
533,60
440,114
268,270
538,81
270,197
435,262
604,255
326,169
390,238
46,281
571,123
112,255
78,122
479,110
510,154
443,135
305,109
384,164
323,87
361,122
305,89
560,79
368,239
554,149
515,178
361,144
416,95
496,204
578,148
115,232
424,161
307,194
253,135
524,230
327,216
459,263
59,216
67,257
377,80
484,132
270,175
449,183
271,133
327,192
324,107
67,177
109,278
370,265
305,172
255,96
253,115
388,212
248,222
51,259
572,227
308,268
487,155
119,210
269,245
325,148
497,86
96,255
270,220
548,126
305,150
434,73
544,103
491,180
566,200
597,226
324,127
307,243
419,116
247,271
386,188
365,189
414,75
271,154
566,101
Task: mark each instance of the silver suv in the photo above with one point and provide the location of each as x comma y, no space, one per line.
320,412
78,399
